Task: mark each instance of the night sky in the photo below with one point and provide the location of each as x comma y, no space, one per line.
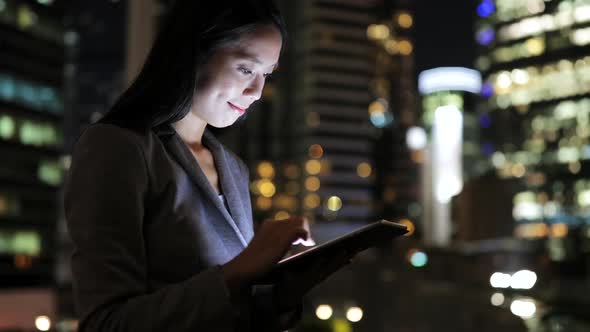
444,33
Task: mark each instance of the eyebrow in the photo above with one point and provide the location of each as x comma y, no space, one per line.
253,58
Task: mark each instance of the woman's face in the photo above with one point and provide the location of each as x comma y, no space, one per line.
234,76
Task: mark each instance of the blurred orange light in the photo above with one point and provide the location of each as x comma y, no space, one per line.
282,215
313,167
266,170
417,156
518,170
312,183
266,188
311,201
405,20
405,47
364,170
559,230
410,225
23,261
533,230
316,151
263,203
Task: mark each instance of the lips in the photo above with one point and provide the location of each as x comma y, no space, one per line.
237,108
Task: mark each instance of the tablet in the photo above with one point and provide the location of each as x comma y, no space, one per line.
361,239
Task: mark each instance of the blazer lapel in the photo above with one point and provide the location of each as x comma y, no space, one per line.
182,154
229,177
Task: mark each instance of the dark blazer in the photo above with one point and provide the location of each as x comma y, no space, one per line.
150,234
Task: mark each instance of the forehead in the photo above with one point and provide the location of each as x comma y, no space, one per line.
261,46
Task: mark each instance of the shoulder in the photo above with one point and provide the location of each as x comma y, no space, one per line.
105,134
106,142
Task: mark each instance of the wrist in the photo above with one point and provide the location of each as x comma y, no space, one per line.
232,278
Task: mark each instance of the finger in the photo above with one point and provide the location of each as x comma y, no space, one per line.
299,234
309,242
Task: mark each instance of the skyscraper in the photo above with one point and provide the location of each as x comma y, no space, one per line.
535,117
31,142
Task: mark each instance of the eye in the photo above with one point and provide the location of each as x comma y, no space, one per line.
268,75
245,71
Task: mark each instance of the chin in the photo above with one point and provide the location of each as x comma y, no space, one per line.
222,123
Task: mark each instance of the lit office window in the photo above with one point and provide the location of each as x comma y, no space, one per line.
28,132
508,10
36,96
566,16
7,127
552,81
20,242
50,172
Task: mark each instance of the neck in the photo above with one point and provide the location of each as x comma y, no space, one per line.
191,129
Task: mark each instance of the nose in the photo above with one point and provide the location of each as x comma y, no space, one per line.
254,89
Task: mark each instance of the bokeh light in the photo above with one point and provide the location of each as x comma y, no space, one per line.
313,167
334,203
524,308
43,323
266,170
354,314
324,312
497,299
364,170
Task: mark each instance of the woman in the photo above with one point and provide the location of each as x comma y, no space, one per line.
159,211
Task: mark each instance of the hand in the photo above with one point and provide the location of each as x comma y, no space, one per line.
270,243
293,286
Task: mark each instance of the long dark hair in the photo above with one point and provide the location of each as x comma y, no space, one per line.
162,92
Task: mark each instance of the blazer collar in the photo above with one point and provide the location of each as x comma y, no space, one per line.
228,177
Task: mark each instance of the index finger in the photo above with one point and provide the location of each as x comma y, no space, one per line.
304,224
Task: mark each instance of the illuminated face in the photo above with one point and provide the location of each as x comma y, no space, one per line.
234,77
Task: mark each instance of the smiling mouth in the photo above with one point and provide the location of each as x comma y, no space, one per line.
239,109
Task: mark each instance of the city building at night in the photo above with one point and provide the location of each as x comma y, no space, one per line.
31,144
534,120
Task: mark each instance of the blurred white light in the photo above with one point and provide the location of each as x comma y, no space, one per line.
584,198
324,311
498,159
500,280
524,308
520,76
447,143
354,314
580,36
448,187
497,299
527,211
416,138
568,154
449,79
42,323
582,13
503,80
523,279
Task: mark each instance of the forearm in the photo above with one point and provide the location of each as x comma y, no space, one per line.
201,303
